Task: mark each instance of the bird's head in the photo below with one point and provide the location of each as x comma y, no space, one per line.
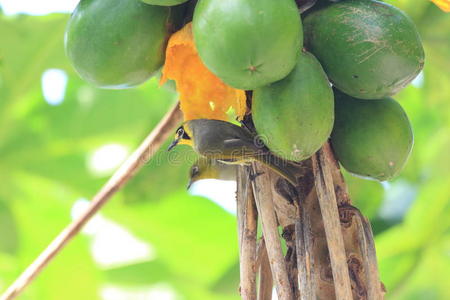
204,168
183,136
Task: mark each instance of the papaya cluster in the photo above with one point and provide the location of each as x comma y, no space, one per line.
327,72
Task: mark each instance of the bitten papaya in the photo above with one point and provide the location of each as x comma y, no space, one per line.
294,116
248,43
369,49
115,43
371,138
164,2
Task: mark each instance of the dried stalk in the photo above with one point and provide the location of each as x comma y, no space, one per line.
265,274
313,261
328,206
139,158
247,227
291,259
370,259
262,190
304,247
310,263
340,187
372,285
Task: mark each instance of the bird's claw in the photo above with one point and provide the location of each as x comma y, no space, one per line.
254,175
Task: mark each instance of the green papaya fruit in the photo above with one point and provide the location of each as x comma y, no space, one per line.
371,138
294,116
117,44
248,43
164,2
369,49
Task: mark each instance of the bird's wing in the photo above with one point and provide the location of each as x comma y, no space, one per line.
243,149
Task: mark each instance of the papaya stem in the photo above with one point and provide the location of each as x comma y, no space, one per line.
263,193
304,248
328,206
265,275
247,218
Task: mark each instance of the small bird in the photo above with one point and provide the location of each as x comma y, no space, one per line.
208,168
229,143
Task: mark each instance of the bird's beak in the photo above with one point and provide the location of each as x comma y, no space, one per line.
173,144
189,185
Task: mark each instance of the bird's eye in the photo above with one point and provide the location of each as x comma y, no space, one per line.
180,131
194,171
182,134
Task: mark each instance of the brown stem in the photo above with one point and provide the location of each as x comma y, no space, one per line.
304,247
367,251
247,227
262,190
265,275
328,206
139,158
340,187
291,258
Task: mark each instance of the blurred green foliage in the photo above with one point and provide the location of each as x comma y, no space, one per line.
45,150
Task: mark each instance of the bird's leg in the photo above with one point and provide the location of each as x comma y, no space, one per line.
253,175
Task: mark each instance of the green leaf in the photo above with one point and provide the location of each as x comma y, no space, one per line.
193,236
74,265
8,229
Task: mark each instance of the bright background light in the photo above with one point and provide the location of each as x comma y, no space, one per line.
161,291
54,82
112,245
39,7
107,158
419,80
221,192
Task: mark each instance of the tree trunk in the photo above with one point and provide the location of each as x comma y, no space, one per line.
330,248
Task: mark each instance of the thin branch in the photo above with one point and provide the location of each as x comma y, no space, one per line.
332,225
247,227
139,158
262,190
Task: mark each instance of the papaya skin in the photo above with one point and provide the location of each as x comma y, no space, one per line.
371,138
294,116
369,49
117,44
164,2
248,43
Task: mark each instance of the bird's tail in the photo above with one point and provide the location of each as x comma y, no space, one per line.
282,167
